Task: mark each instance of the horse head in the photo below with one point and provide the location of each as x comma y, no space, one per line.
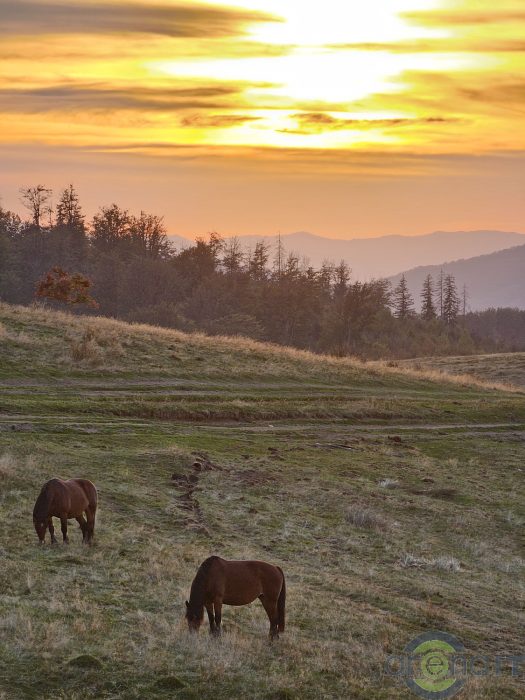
40,527
194,616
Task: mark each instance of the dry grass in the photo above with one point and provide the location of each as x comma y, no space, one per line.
507,369
88,334
441,563
366,518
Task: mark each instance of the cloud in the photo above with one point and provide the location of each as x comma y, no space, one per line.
467,17
27,17
65,97
216,121
449,45
318,122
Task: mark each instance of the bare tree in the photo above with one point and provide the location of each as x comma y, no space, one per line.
36,201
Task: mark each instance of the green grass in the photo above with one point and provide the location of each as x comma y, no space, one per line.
301,448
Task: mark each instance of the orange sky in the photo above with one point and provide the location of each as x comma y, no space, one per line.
342,117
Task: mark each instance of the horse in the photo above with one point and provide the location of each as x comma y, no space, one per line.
219,581
66,499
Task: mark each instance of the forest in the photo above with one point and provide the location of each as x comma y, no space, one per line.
215,286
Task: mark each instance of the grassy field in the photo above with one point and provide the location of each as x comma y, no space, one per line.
500,367
392,499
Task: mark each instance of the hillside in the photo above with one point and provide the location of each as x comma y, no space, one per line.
492,280
392,499
499,367
387,255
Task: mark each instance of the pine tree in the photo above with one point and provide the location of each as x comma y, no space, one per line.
428,308
403,302
233,256
440,289
451,302
69,212
278,264
258,262
464,299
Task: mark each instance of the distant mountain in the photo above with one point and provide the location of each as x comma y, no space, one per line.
491,280
180,242
388,255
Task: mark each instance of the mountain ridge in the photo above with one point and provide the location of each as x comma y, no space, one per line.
385,256
492,280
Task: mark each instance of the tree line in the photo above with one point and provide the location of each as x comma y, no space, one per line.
218,287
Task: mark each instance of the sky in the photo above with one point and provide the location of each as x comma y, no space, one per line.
342,117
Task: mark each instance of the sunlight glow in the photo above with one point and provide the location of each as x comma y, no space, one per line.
268,73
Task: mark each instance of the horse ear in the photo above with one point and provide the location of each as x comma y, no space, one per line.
187,604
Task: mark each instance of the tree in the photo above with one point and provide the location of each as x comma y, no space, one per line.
148,233
36,201
428,308
233,256
464,300
72,289
110,226
69,212
403,302
278,260
258,262
451,302
440,291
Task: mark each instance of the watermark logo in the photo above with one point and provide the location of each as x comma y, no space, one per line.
435,665
433,670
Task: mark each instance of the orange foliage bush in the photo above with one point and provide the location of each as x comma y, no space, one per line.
72,289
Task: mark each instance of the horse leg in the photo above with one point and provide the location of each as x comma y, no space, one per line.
90,515
52,530
218,616
63,527
271,611
209,610
83,526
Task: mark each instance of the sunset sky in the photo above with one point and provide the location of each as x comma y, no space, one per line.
340,117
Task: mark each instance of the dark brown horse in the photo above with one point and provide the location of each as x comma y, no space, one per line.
66,499
219,582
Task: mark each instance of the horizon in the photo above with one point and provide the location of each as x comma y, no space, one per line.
391,119
353,238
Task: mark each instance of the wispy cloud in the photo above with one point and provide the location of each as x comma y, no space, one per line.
495,13
26,17
313,122
92,97
486,45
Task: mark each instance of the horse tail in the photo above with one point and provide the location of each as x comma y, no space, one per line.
281,604
93,496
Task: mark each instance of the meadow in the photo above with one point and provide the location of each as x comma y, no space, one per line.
503,367
392,498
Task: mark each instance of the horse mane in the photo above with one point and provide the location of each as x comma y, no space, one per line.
41,509
197,587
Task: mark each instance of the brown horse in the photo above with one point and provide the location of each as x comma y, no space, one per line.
66,499
219,582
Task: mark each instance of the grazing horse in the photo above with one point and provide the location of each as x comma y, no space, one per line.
219,582
66,499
